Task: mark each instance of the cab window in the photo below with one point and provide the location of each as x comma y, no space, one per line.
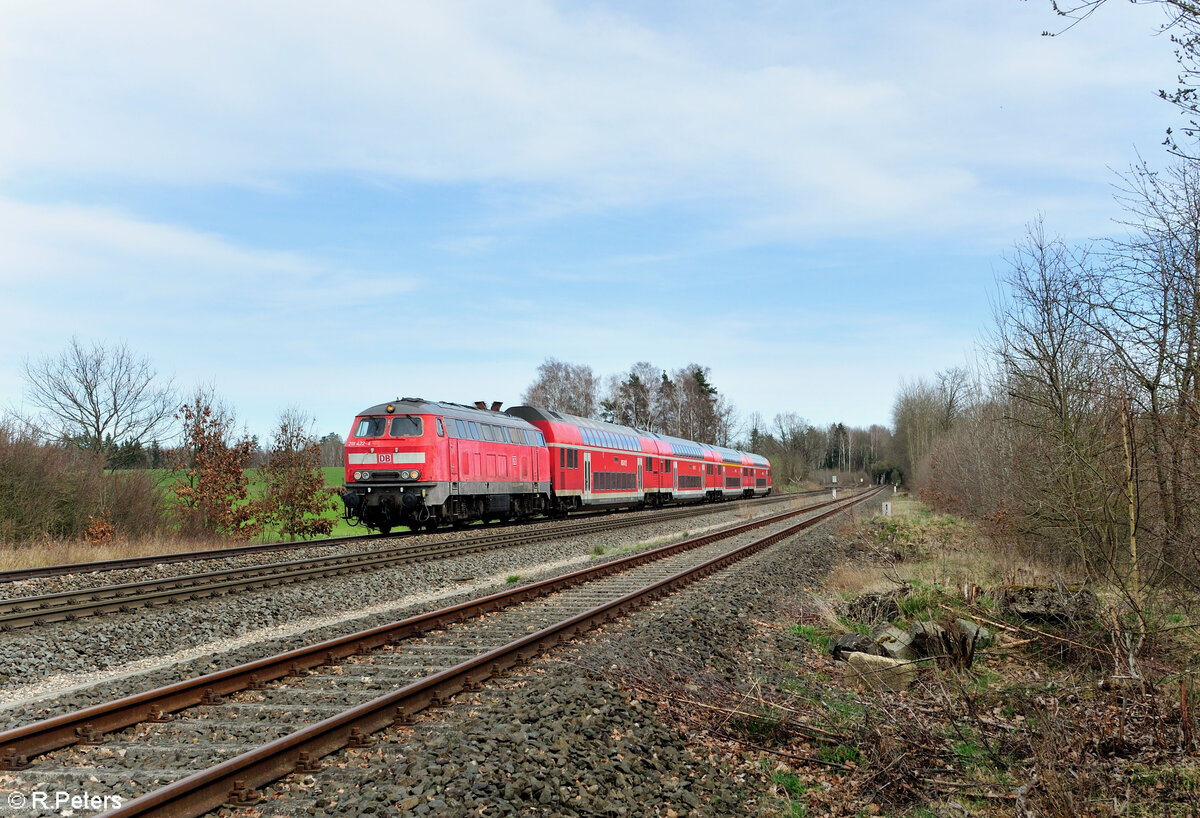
441,430
407,426
370,427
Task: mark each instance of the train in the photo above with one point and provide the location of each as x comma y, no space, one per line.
424,464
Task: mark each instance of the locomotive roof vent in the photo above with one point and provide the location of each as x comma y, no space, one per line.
480,405
496,404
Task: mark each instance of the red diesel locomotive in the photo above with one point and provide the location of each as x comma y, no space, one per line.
423,464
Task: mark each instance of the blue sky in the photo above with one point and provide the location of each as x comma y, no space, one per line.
326,206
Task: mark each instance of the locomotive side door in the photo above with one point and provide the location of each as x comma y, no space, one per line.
639,477
587,476
451,452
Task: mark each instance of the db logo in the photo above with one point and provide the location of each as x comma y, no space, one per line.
385,458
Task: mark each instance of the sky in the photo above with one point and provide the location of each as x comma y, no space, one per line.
326,206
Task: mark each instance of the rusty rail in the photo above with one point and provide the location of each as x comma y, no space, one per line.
234,781
238,551
237,777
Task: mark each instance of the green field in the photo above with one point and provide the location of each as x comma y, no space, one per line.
333,475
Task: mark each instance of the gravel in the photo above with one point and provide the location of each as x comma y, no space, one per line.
567,736
96,579
55,668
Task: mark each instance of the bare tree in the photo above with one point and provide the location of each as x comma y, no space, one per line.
333,450
98,397
564,387
211,484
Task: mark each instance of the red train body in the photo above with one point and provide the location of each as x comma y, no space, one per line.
421,463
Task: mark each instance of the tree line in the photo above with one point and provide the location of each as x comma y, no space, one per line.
686,403
683,404
1081,430
78,466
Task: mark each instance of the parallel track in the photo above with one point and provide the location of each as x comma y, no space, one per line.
27,611
65,569
391,656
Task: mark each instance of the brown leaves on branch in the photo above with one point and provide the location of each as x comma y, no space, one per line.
213,490
213,493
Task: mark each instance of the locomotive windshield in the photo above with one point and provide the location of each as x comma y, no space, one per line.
370,427
407,426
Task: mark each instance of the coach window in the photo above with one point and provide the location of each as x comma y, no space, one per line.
562,458
440,428
371,427
407,426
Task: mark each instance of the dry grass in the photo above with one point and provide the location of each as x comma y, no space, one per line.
915,546
1038,725
51,552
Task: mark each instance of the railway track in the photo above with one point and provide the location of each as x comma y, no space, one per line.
28,611
98,566
316,700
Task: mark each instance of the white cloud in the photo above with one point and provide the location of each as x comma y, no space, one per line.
769,123
883,116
